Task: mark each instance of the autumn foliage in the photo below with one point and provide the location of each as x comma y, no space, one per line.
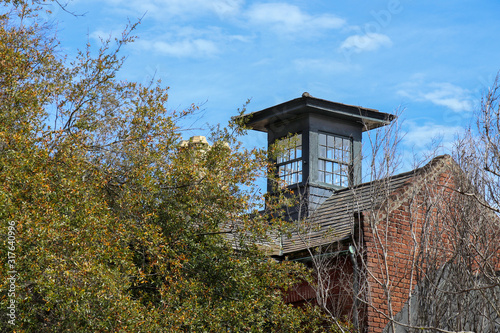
117,228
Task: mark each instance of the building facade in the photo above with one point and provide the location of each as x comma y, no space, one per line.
372,245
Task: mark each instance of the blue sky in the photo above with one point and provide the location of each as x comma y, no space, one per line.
432,58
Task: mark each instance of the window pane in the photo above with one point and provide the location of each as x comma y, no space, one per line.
329,166
329,154
291,149
338,143
343,181
328,178
321,175
322,151
347,156
331,141
296,140
322,139
291,173
334,159
345,170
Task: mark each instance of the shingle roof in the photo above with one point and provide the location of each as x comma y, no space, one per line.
333,221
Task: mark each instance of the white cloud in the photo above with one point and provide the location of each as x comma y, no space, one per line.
365,42
178,37
163,9
188,42
174,27
194,48
428,140
424,136
225,7
450,96
439,93
286,18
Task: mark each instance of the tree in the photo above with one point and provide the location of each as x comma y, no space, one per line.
107,222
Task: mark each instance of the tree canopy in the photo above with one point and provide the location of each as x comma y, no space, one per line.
107,222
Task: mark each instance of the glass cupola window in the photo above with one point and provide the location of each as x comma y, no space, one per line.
334,159
289,161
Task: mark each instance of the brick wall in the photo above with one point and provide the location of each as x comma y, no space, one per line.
410,232
401,237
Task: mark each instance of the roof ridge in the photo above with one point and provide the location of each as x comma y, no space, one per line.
429,165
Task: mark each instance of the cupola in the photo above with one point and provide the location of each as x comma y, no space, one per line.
323,145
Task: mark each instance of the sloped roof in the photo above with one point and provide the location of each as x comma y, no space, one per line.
333,221
367,118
